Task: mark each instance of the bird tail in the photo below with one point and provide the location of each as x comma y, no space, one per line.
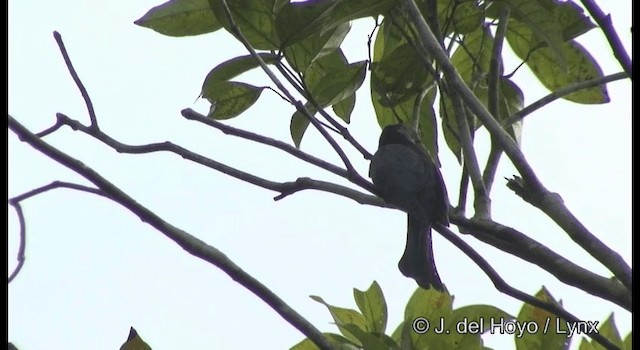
417,261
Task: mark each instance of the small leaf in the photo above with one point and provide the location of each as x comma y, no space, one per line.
345,317
299,124
373,307
232,68
229,99
547,336
134,342
609,330
180,18
468,16
344,108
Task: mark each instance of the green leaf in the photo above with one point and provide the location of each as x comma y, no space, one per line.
547,336
467,323
134,342
334,339
344,108
580,65
299,20
396,78
301,54
255,18
609,330
585,345
232,68
468,16
388,38
229,99
180,18
510,101
539,20
299,124
373,307
344,317
347,10
626,344
339,84
369,341
472,58
427,305
450,128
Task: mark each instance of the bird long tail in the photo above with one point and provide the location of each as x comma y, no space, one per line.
417,261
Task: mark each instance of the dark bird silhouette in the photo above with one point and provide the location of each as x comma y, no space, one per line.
406,176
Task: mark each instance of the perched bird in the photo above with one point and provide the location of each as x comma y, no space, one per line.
406,176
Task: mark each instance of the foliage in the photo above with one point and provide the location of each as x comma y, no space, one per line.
430,322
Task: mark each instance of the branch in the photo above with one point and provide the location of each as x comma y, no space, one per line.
505,288
192,115
604,21
299,106
15,202
76,79
549,202
495,71
561,93
191,244
518,244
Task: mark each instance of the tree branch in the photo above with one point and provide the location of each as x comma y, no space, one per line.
550,203
15,203
76,79
505,288
495,71
561,93
191,244
605,23
518,244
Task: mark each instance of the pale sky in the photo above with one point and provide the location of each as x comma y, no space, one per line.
93,269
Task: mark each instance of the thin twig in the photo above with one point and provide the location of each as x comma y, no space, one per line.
561,93
76,79
191,244
550,203
505,288
481,202
495,69
605,23
15,202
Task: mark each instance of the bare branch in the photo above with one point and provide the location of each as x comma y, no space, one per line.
518,244
191,244
15,202
605,23
505,288
76,79
549,202
561,93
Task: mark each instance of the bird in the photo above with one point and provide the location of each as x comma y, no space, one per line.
405,175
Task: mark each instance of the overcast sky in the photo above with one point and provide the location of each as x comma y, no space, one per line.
93,269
